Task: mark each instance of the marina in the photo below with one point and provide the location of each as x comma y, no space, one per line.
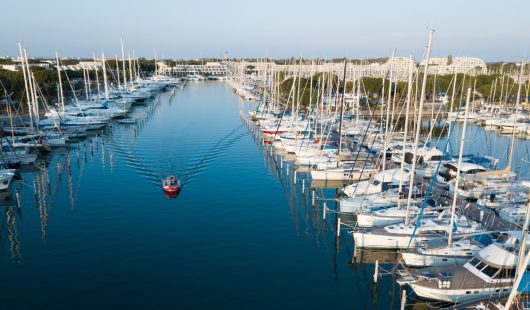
190,160
237,155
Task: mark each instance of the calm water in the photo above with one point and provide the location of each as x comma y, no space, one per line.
101,234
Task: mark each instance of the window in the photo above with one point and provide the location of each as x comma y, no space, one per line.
490,271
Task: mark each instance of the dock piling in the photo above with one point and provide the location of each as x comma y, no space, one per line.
403,299
17,194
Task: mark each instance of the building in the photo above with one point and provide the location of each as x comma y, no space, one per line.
209,68
354,70
10,67
467,65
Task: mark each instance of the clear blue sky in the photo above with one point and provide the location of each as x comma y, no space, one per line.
492,30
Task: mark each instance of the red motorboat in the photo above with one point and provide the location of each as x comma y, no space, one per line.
171,185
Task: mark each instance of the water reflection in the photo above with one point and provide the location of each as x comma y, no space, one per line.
61,172
312,205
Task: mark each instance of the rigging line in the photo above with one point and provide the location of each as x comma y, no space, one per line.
360,148
431,184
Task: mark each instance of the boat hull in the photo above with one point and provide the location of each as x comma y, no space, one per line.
454,295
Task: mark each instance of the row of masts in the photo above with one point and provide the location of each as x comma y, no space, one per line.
293,103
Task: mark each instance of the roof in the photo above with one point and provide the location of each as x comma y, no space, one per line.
465,166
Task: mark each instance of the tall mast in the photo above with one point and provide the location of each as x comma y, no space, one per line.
517,102
358,95
26,85
387,135
418,125
451,109
473,98
88,80
118,71
382,100
460,153
86,87
156,70
138,69
105,86
97,77
135,73
342,108
409,95
61,96
523,260
31,86
123,63
130,69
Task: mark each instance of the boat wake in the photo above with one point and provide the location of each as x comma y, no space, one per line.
213,153
126,150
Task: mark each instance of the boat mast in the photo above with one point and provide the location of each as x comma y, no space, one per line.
138,71
31,87
517,102
418,125
118,71
460,153
84,81
130,69
387,135
61,96
123,65
156,70
358,95
451,109
342,109
89,97
521,262
135,73
409,94
105,86
97,77
26,85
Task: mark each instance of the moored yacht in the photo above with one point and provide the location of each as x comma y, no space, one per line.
491,273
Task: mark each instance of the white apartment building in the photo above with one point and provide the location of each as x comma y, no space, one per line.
467,65
9,67
212,68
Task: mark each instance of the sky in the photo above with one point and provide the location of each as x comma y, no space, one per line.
180,29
